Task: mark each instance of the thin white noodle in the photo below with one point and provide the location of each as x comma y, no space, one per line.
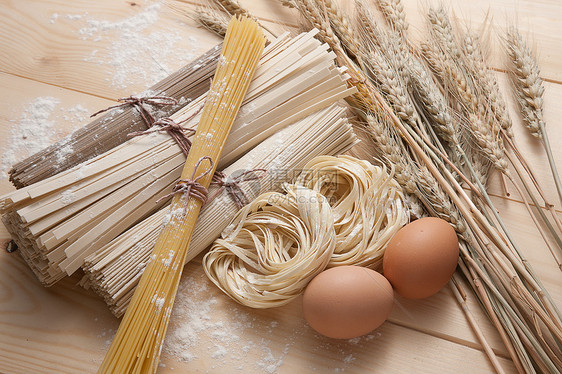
368,205
279,243
340,211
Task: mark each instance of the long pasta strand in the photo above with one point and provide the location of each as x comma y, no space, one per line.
138,342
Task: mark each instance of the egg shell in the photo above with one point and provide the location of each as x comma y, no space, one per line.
345,302
421,257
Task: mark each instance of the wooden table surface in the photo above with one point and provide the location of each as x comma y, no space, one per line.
75,57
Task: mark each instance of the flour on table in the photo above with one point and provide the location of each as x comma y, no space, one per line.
33,131
142,49
36,129
206,326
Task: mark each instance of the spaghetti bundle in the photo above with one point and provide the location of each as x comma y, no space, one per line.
114,271
279,242
60,221
137,345
368,206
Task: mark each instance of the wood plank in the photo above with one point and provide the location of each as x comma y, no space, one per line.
123,46
40,112
429,335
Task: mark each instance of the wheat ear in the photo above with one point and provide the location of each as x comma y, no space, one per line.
365,96
391,151
439,203
528,84
481,127
389,82
442,30
234,8
433,101
393,11
529,91
342,27
367,24
485,79
288,3
484,128
211,20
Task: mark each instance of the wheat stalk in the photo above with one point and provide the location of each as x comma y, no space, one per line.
484,79
211,20
367,24
312,14
439,203
388,81
433,102
288,3
365,92
391,151
442,30
484,127
415,180
341,26
234,8
493,249
529,91
393,11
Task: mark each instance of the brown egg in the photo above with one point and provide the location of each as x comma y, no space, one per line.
421,258
347,301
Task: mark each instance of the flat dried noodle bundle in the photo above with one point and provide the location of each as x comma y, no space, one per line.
60,221
114,271
368,206
278,244
111,129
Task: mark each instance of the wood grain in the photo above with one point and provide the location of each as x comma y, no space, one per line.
58,42
66,329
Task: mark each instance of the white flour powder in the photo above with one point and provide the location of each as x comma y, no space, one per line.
134,53
36,129
208,327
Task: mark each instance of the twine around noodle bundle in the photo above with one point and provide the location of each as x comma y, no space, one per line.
232,185
191,186
174,129
139,104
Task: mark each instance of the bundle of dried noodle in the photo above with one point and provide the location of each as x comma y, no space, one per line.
113,271
60,221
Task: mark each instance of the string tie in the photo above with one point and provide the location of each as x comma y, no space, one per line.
191,186
232,185
139,104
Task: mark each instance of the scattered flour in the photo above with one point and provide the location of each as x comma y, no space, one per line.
135,54
206,326
67,197
36,129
